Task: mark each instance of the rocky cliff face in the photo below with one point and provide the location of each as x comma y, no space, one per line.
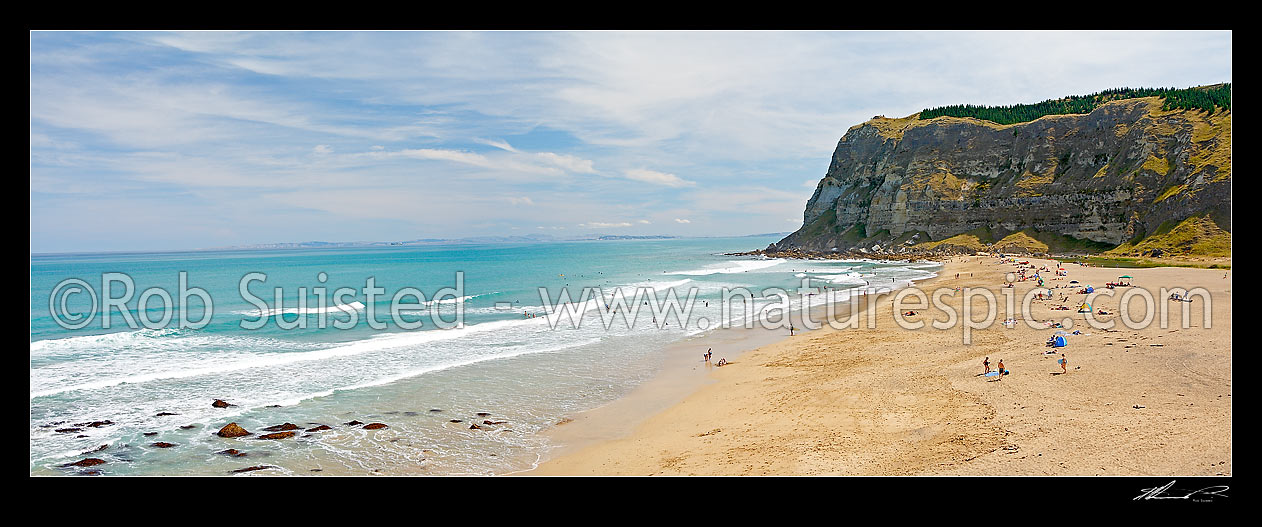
1123,172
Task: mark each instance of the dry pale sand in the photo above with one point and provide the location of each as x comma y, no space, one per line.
892,401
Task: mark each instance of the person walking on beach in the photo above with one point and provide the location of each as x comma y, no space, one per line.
986,364
707,354
790,330
1064,363
1001,370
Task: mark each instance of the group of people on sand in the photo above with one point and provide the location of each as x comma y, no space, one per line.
709,353
1001,370
1063,362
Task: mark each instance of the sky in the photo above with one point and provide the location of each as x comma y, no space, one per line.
170,141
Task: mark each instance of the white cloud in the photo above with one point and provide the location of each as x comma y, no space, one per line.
567,162
502,145
603,225
679,220
322,149
644,222
521,201
657,178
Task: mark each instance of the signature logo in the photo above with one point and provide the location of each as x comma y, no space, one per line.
1164,492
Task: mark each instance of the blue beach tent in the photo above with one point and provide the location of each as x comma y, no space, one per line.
1059,341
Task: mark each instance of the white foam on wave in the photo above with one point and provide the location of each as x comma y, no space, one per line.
339,308
844,278
734,266
652,284
823,270
437,367
460,300
104,340
376,343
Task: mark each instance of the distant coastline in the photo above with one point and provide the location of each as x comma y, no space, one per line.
420,242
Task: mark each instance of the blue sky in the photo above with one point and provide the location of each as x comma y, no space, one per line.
156,141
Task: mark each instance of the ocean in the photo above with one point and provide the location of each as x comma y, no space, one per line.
507,361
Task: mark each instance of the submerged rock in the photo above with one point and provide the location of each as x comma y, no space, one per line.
86,462
353,423
232,430
163,444
68,430
251,469
164,414
220,403
232,452
278,435
281,428
319,428
375,426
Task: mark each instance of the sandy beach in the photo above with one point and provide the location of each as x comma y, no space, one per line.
894,401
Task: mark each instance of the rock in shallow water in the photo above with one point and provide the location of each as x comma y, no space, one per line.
281,428
375,426
232,430
278,435
86,462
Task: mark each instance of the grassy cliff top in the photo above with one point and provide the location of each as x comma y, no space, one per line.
1207,98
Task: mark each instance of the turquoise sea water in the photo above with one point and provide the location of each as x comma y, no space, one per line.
502,362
